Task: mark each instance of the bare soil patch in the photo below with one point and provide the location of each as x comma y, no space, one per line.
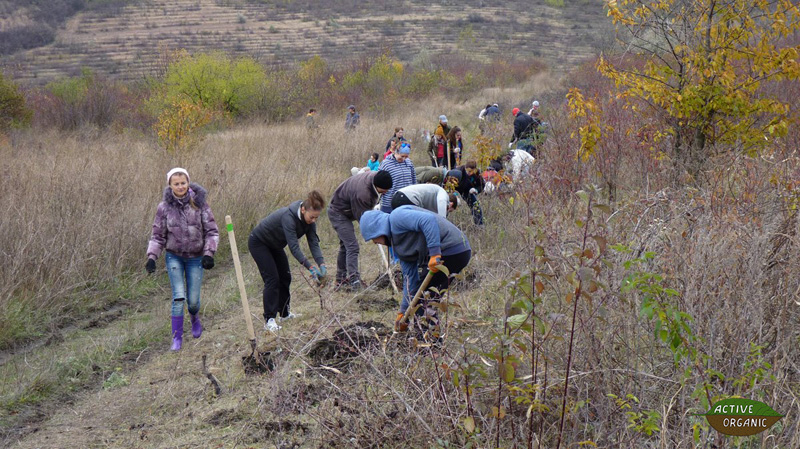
348,343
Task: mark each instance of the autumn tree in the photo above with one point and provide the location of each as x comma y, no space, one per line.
705,63
215,81
13,111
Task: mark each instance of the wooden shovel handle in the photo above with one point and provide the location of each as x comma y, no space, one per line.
240,279
388,269
414,302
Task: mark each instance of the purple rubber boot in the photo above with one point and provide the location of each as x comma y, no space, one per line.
177,333
197,327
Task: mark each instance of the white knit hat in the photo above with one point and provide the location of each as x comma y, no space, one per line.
177,170
535,104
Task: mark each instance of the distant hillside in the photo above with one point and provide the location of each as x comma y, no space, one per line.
28,24
126,39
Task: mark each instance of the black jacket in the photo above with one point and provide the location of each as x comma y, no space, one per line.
284,227
469,181
525,127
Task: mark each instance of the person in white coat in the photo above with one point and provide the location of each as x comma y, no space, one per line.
519,164
427,196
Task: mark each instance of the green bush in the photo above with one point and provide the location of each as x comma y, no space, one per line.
422,83
215,81
71,91
383,77
13,111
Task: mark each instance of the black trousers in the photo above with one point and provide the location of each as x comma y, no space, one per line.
475,207
455,264
274,268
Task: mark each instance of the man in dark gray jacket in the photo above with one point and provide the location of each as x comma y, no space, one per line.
351,199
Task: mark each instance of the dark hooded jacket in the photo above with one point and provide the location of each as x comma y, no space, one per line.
182,229
354,196
469,182
524,127
284,227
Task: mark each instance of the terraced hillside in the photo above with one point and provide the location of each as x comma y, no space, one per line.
129,42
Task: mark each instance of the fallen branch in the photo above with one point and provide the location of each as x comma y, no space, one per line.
214,381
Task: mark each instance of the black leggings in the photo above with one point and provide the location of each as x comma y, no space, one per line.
274,268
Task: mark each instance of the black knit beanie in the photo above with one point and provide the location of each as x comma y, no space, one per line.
383,180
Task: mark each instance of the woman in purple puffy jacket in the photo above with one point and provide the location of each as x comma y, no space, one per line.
184,226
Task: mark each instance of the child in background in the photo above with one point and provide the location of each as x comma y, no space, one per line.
394,143
373,163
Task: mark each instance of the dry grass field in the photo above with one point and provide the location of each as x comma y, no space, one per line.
128,42
714,263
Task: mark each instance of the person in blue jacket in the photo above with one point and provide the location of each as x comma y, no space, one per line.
352,119
420,239
373,163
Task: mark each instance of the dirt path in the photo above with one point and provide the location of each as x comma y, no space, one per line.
123,339
104,318
166,400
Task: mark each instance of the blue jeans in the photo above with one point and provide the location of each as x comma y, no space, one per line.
185,276
411,283
440,281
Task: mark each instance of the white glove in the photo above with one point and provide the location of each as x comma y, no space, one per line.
473,191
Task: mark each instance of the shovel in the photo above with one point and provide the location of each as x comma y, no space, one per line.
414,301
253,361
388,269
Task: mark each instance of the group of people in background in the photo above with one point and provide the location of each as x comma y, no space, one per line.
396,204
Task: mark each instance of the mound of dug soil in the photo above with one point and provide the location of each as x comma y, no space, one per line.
258,363
348,343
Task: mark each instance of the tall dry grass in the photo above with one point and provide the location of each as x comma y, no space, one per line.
77,206
77,210
731,256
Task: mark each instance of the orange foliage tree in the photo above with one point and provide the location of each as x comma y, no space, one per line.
705,63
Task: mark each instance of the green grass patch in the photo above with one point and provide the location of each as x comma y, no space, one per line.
92,357
23,319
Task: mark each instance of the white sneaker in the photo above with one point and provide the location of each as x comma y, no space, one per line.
290,316
271,325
